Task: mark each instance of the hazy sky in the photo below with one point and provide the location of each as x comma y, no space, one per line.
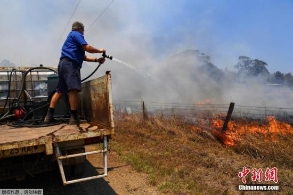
32,31
146,34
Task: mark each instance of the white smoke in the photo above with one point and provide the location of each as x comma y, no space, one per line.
146,35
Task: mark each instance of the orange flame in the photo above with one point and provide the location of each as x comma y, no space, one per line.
207,101
270,128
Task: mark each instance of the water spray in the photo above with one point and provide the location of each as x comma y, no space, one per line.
144,74
139,71
104,55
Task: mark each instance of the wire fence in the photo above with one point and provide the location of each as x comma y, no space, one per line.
199,111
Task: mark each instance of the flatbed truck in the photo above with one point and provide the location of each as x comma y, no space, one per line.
29,150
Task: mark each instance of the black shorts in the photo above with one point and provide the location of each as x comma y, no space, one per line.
69,76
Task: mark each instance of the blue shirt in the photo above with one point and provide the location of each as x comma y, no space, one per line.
72,47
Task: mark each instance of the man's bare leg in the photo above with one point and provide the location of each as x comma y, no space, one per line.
55,99
49,117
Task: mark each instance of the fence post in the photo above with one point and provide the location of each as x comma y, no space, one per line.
228,117
144,112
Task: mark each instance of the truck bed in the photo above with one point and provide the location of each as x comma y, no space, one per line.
95,106
16,141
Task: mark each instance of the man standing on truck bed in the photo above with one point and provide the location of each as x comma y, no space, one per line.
72,57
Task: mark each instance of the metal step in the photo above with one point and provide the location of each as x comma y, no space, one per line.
59,158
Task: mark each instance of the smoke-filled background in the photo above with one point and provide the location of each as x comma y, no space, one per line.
165,50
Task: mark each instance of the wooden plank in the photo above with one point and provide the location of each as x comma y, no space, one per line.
14,134
12,137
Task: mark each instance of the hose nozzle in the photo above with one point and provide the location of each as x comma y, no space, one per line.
107,56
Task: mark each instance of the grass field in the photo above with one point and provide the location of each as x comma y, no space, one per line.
182,158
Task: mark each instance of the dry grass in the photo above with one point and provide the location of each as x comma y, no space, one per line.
182,159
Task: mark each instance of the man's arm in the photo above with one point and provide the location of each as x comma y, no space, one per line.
91,49
92,59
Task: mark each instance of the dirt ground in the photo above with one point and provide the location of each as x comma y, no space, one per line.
124,180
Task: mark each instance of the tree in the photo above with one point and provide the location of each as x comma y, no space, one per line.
259,68
243,64
6,63
249,67
278,77
288,79
211,70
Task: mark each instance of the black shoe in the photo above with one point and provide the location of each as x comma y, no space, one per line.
74,121
49,118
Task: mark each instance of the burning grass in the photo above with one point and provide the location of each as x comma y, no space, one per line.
189,159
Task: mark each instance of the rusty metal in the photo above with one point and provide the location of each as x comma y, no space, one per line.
228,117
22,151
96,101
111,109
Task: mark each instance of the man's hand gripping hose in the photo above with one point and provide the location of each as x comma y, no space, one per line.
101,61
